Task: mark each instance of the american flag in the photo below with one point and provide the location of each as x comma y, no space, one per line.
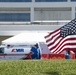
63,38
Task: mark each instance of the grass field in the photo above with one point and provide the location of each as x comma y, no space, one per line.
38,67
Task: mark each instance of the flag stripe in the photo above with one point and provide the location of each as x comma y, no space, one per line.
60,49
51,39
67,47
57,44
68,40
50,35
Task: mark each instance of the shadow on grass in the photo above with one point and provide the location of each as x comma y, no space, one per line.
51,73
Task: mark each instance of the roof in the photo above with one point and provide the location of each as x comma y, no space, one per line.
26,38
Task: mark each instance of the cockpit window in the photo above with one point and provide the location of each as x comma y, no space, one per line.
1,50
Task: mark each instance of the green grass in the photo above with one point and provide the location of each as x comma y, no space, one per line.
38,67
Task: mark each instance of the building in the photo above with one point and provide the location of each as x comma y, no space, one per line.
18,16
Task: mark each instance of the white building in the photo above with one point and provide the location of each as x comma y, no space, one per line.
14,15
